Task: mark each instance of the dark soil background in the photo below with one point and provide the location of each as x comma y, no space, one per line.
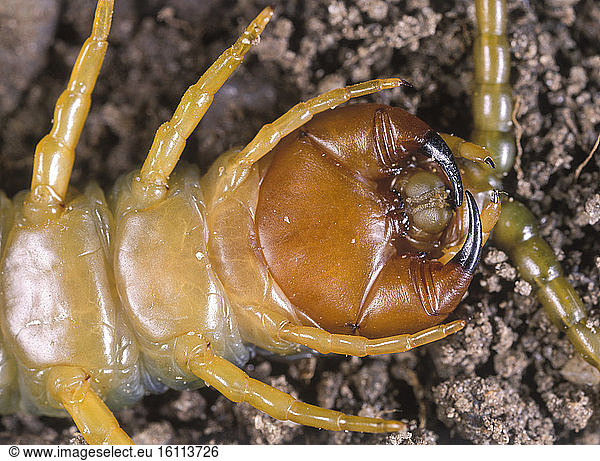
510,376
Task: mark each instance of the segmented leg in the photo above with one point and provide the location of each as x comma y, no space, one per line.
278,327
71,386
55,153
468,150
270,134
194,353
359,346
171,136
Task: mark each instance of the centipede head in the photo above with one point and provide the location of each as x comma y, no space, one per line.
354,209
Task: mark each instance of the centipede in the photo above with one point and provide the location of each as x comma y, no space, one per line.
501,302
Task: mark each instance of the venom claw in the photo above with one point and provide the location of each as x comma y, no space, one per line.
436,149
469,254
495,196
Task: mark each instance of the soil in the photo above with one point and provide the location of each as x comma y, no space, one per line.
510,376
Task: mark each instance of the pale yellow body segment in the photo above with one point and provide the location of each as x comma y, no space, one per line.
58,282
165,246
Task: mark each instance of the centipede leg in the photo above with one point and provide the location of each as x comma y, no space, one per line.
71,386
270,134
171,136
283,330
194,353
359,346
55,153
466,149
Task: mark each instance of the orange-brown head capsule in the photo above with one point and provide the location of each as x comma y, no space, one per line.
352,211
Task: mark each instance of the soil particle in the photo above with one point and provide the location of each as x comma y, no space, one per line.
26,34
189,406
489,410
592,210
159,433
462,354
570,408
580,372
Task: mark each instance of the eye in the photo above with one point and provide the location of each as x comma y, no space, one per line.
427,202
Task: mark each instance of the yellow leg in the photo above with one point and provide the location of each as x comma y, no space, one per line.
71,386
327,343
171,136
467,150
282,331
270,134
193,353
55,153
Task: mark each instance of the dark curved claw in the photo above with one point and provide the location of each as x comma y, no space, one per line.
469,254
436,149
